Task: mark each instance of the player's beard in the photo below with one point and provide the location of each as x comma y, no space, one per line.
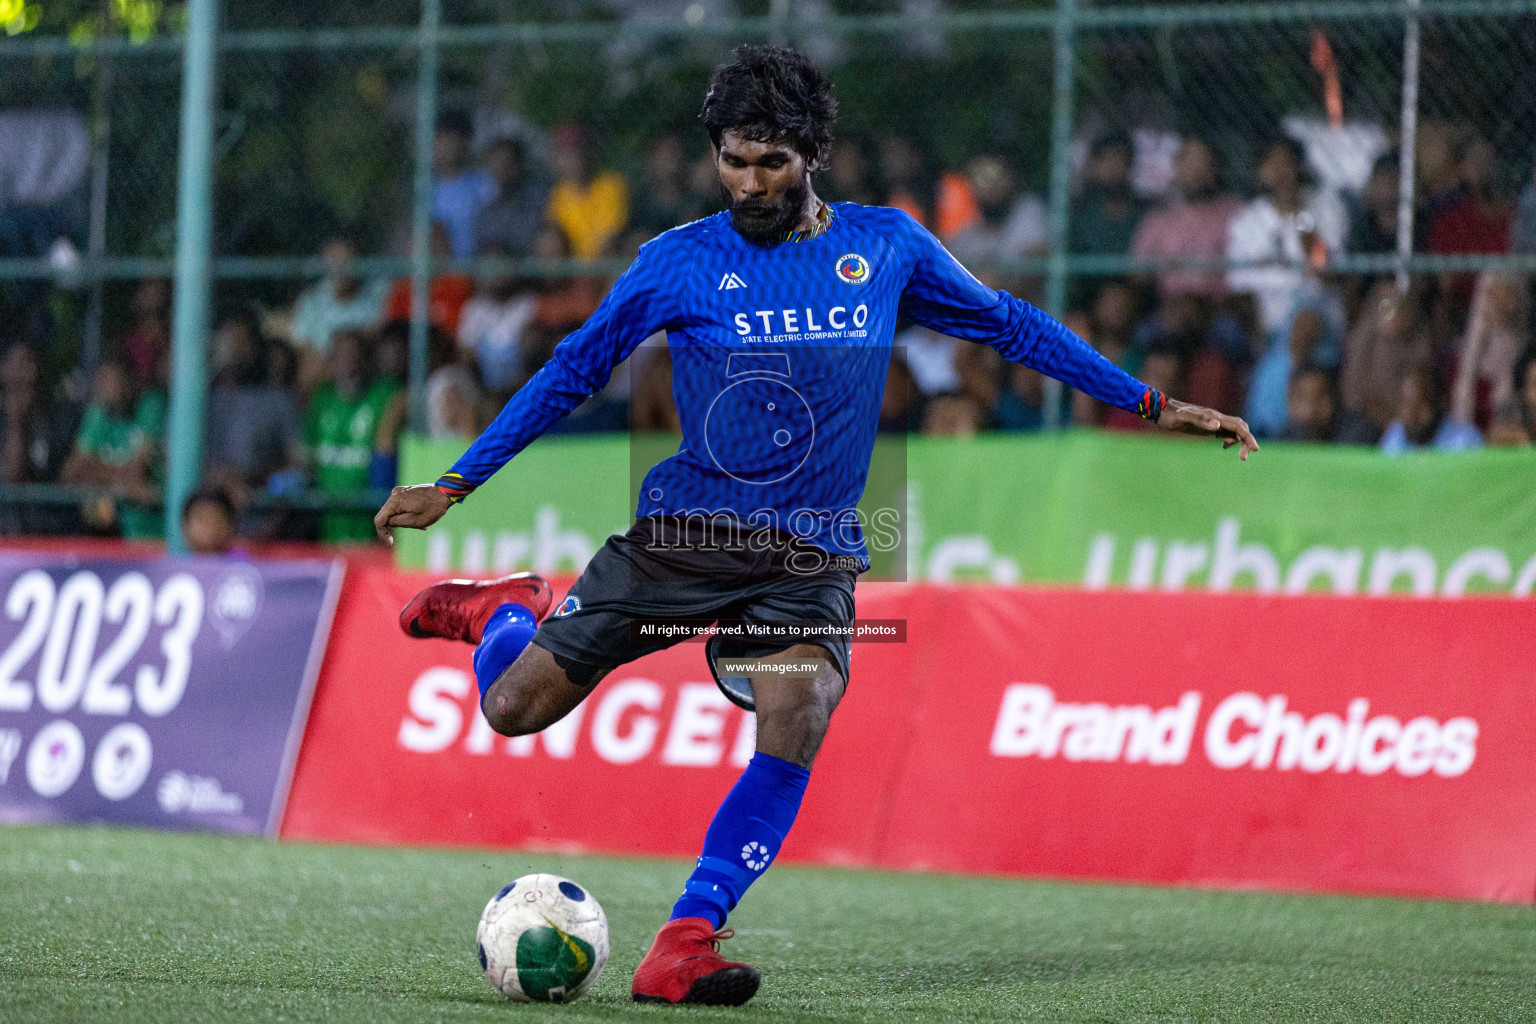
767,222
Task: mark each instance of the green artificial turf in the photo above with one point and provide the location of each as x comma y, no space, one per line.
123,926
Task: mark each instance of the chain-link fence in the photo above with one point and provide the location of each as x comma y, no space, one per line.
1060,179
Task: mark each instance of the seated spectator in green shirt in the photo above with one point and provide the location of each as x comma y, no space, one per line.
339,433
119,447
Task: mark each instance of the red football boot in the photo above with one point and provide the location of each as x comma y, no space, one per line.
685,966
459,609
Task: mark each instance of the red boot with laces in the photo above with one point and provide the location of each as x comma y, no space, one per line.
685,966
459,609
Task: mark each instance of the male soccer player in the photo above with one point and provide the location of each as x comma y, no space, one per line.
779,315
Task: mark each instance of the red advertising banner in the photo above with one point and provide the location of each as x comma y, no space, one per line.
398,752
1369,745
1366,745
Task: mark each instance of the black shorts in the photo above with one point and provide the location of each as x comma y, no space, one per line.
666,568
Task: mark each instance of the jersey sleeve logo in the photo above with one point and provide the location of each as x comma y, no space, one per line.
852,268
569,606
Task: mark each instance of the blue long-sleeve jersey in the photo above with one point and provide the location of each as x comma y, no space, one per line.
779,362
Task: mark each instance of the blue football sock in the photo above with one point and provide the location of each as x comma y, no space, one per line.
506,634
744,837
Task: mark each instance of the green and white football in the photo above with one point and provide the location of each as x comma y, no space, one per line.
542,939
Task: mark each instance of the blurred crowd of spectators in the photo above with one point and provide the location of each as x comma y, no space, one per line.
1305,353
1253,319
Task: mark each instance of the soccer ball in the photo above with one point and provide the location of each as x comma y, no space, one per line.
542,939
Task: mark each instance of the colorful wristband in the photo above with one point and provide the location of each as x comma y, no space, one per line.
1151,404
454,486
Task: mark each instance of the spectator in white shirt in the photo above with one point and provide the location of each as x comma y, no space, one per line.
340,301
494,328
1291,228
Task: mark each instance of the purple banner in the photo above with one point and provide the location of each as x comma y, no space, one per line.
169,693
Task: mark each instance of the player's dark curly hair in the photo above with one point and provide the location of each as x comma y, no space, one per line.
772,94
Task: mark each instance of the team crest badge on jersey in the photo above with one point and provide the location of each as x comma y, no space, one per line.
569,606
852,268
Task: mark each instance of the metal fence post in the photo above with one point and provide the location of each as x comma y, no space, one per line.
1408,144
194,237
96,230
1061,185
421,206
